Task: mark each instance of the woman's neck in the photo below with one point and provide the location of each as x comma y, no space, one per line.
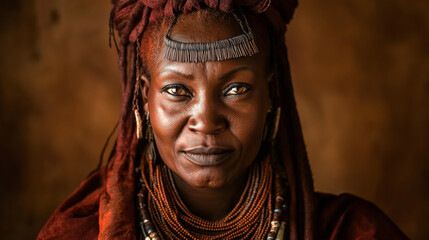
211,203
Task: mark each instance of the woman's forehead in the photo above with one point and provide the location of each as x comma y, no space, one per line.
218,70
190,28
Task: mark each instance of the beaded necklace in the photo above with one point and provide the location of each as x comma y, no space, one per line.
163,215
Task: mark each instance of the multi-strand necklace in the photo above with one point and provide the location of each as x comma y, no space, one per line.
163,215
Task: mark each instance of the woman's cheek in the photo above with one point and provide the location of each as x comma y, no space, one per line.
248,125
165,118
168,121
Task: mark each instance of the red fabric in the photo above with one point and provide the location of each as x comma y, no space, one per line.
77,217
343,217
348,217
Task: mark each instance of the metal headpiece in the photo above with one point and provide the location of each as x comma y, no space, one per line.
239,46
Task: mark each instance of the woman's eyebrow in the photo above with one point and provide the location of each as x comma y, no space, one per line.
184,75
234,71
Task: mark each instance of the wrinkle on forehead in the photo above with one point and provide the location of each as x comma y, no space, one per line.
203,71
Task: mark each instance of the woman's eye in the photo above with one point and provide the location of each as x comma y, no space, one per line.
176,90
237,89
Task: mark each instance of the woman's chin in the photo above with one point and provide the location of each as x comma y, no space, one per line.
207,178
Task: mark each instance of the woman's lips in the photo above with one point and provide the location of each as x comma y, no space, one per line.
208,156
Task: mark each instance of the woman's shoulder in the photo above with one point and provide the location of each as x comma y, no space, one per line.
346,216
77,217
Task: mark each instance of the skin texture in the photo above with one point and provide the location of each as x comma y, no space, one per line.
207,118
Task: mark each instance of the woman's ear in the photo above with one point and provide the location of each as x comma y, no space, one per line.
145,91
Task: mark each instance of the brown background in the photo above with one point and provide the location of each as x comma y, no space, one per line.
361,75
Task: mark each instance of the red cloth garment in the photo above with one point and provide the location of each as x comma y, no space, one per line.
349,217
77,217
103,206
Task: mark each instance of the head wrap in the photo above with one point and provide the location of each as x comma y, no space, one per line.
116,184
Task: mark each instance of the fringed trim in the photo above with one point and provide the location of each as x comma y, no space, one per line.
239,46
235,47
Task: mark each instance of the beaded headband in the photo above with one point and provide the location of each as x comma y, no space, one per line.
239,46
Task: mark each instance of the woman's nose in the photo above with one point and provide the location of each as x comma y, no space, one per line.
207,116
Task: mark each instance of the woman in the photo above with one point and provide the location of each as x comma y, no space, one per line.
219,153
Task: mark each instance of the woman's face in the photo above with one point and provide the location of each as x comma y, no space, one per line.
207,118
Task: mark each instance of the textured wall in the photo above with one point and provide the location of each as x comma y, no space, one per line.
361,75
60,98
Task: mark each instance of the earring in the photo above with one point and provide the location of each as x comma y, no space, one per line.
150,148
272,125
139,127
276,118
276,124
